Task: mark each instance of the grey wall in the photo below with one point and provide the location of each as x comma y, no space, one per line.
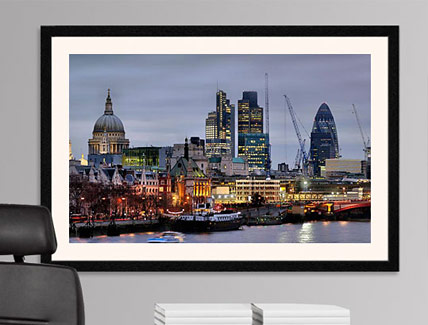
127,298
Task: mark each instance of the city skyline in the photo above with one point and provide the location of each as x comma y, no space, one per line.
161,99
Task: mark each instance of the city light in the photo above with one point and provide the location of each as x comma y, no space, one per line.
129,187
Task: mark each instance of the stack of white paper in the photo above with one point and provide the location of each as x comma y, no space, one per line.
203,314
299,314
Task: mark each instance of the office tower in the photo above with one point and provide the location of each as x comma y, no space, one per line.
324,141
211,126
225,120
250,114
253,147
253,144
220,128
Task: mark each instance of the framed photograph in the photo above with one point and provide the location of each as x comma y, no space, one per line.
221,148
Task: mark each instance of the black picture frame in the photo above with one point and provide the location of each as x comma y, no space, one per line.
391,32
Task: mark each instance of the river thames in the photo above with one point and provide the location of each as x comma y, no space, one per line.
311,232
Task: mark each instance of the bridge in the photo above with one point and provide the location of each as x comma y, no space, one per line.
340,210
340,207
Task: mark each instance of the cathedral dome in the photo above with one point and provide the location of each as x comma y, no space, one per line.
108,122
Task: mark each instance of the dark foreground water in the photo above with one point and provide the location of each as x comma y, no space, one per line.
312,232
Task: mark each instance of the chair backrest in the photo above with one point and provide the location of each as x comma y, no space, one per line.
35,294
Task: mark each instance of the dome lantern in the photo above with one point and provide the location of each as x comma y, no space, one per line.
108,122
109,106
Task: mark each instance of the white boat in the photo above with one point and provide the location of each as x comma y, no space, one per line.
209,222
168,237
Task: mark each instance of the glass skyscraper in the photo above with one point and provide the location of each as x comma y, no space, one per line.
254,147
220,128
253,144
250,114
211,126
324,140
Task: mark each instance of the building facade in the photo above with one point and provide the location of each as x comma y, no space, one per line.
268,189
141,157
226,120
165,190
195,150
228,166
324,139
253,144
351,166
254,148
250,114
220,128
189,183
148,184
211,126
223,195
108,138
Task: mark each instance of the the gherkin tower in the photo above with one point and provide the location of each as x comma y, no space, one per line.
324,140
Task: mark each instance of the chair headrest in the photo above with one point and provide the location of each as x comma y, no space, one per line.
26,230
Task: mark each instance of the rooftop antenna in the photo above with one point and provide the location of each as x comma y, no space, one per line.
268,162
285,130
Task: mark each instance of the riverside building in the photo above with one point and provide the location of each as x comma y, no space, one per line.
268,189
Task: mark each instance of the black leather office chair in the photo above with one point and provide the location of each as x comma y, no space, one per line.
35,294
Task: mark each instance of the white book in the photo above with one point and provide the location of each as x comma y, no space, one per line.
158,322
302,320
203,320
296,321
204,310
298,310
257,322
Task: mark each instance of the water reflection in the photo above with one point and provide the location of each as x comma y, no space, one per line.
313,232
305,234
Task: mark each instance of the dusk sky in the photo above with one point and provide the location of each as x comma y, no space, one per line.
161,99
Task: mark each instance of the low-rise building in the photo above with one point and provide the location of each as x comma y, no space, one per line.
190,183
268,189
340,167
223,194
228,166
141,157
196,151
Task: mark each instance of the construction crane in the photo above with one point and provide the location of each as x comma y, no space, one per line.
268,160
366,143
297,159
305,157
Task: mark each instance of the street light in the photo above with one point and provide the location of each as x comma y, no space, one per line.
124,199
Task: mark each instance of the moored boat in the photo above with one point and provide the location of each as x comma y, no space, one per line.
113,229
208,222
87,231
265,220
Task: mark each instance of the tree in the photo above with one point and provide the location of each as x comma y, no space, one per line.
75,194
257,200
